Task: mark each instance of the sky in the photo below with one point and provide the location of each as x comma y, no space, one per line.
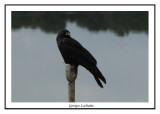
38,70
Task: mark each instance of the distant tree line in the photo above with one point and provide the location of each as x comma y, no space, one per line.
120,22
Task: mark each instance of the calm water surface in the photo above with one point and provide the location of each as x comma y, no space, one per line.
38,70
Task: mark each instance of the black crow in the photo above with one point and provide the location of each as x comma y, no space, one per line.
75,54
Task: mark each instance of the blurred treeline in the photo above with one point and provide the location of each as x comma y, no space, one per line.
120,22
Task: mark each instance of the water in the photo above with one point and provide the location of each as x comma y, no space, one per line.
38,70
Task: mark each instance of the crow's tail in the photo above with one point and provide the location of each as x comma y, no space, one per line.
97,75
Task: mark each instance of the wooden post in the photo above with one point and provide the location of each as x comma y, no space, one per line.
71,75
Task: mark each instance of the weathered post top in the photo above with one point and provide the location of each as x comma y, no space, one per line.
71,72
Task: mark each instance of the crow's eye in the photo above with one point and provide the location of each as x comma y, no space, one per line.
67,34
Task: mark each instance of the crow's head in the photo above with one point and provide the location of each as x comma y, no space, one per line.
64,33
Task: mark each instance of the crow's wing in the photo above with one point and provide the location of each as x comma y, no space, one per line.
74,51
